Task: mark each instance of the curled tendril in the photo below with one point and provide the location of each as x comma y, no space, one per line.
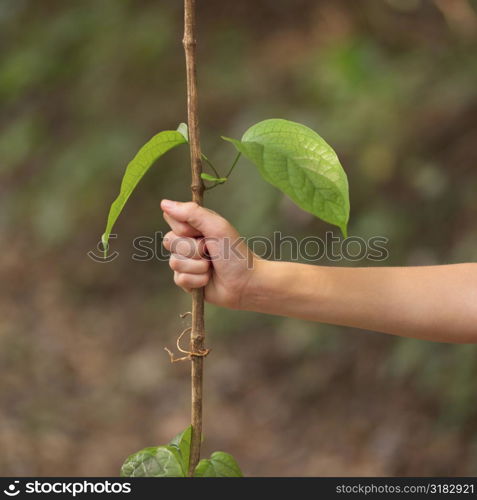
189,354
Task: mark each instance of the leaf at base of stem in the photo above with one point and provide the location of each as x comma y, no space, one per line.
173,459
219,464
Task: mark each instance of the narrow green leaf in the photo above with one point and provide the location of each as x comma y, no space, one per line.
211,178
219,464
182,443
157,461
184,130
144,159
296,160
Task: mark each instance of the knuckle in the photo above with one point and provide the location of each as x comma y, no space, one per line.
204,279
167,239
183,246
180,280
182,229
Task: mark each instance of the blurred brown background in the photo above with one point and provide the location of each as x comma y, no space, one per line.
84,380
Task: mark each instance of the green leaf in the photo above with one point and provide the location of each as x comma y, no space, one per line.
182,443
157,461
211,178
144,159
219,464
184,130
296,160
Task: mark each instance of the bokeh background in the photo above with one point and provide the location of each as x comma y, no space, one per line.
84,380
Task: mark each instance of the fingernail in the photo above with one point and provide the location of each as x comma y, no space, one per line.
167,204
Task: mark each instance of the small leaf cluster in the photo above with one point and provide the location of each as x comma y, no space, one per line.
172,460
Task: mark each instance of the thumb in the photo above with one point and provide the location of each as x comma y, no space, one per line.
207,222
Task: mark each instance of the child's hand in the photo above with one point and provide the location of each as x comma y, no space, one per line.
206,251
427,302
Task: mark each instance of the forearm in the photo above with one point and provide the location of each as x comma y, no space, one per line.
435,303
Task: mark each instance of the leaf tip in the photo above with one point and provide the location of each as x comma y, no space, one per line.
183,129
105,243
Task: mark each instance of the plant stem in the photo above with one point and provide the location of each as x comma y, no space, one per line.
211,165
237,158
197,187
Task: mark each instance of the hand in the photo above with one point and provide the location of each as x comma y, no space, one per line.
207,251
436,303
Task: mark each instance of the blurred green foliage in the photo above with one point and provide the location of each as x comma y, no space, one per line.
392,85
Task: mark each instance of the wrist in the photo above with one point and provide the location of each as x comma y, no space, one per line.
285,288
256,293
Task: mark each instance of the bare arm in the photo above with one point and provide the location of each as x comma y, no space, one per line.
436,303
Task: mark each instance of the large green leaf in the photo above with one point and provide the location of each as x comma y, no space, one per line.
219,464
157,461
182,443
139,165
300,163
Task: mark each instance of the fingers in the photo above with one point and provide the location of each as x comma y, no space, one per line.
205,221
191,270
190,248
190,281
190,266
